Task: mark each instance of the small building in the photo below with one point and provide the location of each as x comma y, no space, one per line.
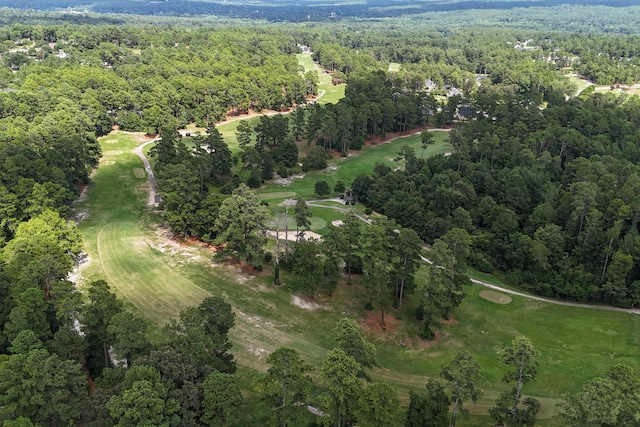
348,198
453,91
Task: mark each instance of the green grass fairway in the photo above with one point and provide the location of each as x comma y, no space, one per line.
359,162
332,93
157,278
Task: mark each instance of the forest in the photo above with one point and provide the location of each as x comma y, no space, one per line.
541,187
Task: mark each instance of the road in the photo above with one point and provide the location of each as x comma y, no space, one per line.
154,197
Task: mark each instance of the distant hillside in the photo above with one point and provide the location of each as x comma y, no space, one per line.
573,16
295,11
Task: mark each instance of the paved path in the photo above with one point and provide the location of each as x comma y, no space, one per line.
154,197
555,301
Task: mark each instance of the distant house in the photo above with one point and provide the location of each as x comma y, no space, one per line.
465,112
430,85
452,91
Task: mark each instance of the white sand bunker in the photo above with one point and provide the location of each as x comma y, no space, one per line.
292,235
139,172
337,223
287,181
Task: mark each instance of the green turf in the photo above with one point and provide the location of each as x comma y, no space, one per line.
157,278
394,67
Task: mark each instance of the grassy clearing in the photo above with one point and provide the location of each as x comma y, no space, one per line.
158,277
394,67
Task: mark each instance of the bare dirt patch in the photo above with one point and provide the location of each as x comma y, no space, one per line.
372,325
79,216
450,321
287,181
75,274
495,297
304,304
139,173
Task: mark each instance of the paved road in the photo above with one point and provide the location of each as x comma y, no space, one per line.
154,197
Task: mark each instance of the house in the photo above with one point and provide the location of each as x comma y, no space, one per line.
465,112
430,85
452,91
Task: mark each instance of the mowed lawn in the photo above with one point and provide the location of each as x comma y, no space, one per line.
157,277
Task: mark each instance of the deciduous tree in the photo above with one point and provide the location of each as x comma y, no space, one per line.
340,373
241,223
378,405
428,409
221,399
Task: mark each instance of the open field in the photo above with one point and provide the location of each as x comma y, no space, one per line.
158,277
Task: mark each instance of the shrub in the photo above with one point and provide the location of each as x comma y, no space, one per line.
258,267
321,188
316,159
